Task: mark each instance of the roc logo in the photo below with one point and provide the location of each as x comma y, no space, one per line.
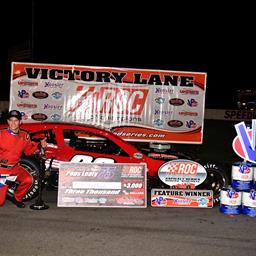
183,168
181,172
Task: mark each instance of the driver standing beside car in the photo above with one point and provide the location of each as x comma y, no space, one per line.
13,143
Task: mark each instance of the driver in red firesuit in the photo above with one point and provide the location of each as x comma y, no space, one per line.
13,143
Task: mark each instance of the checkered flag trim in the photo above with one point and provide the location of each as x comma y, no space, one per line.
173,167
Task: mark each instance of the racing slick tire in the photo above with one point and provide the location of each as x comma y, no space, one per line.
217,178
32,165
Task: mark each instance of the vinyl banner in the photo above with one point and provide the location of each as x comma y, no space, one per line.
102,185
181,198
136,104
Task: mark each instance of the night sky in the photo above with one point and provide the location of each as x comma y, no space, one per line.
215,39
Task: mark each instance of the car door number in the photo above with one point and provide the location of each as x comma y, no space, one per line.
90,159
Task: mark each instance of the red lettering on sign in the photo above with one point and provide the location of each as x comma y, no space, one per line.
183,168
106,100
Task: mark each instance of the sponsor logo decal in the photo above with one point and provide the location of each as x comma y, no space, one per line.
53,85
158,122
192,103
27,105
39,117
40,95
23,94
24,82
175,123
187,113
243,168
57,95
164,90
24,116
188,91
232,194
163,112
52,106
55,117
159,100
191,124
137,155
176,102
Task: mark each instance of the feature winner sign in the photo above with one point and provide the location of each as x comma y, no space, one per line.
135,104
181,198
102,185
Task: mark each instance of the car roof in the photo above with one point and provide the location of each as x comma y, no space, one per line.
63,125
46,125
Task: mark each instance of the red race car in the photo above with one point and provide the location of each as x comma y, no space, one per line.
82,143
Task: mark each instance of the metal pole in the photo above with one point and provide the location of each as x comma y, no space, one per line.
32,29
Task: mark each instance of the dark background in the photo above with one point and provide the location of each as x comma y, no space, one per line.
216,39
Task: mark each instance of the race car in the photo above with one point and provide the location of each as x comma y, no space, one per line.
81,143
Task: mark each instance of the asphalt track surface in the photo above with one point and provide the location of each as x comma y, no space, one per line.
123,231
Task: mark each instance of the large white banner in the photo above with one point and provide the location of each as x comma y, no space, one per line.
135,104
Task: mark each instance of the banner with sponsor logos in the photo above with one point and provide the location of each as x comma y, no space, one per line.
136,104
102,185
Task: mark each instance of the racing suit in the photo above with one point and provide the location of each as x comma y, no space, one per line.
12,146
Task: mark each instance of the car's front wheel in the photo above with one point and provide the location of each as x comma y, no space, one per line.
32,165
217,178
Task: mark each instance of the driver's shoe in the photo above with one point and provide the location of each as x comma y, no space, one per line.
17,203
